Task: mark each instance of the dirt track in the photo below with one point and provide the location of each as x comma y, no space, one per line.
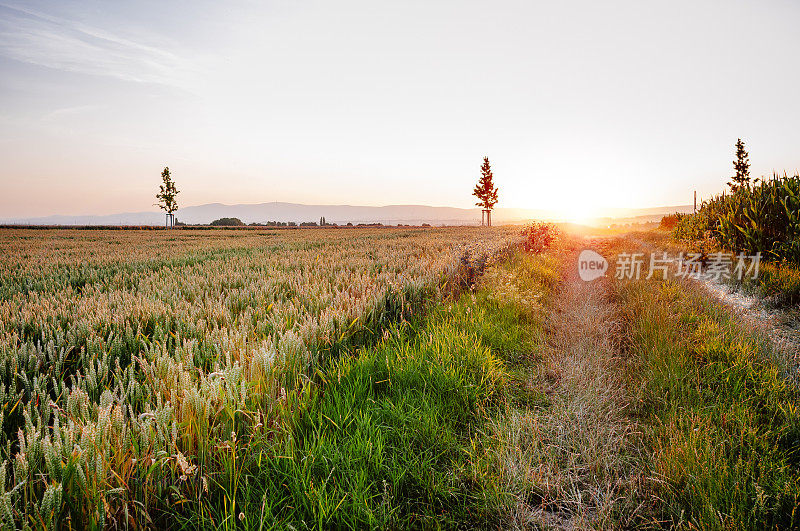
589,467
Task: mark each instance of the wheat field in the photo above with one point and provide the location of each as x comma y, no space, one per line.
131,362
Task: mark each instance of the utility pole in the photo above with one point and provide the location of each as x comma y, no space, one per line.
695,201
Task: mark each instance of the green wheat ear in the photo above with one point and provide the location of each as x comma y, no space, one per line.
115,362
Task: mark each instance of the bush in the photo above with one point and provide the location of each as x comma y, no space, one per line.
538,236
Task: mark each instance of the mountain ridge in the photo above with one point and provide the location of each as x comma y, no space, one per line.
340,214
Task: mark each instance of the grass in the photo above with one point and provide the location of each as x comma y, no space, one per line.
722,423
778,283
572,456
399,435
533,399
137,369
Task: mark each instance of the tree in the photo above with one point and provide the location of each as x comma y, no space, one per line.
742,166
486,192
166,197
227,222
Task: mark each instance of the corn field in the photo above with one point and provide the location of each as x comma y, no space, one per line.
762,218
135,365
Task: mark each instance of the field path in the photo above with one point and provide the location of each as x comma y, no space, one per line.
588,463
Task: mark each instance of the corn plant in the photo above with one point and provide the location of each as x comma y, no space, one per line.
762,218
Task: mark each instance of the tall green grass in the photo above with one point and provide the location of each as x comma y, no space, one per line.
722,423
777,282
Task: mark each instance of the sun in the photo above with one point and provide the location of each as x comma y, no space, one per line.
577,210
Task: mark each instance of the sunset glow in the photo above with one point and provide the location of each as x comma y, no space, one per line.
345,103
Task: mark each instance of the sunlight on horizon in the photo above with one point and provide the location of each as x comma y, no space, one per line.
358,104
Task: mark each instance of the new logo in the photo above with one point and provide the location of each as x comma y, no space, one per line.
591,265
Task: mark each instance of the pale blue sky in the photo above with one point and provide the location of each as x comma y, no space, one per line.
576,103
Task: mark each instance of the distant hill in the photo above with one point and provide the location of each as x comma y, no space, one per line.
340,214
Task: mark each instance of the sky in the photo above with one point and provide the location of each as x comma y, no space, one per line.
578,104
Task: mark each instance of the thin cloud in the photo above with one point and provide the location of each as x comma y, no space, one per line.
69,111
40,39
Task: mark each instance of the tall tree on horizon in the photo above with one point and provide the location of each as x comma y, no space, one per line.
486,192
742,166
166,196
